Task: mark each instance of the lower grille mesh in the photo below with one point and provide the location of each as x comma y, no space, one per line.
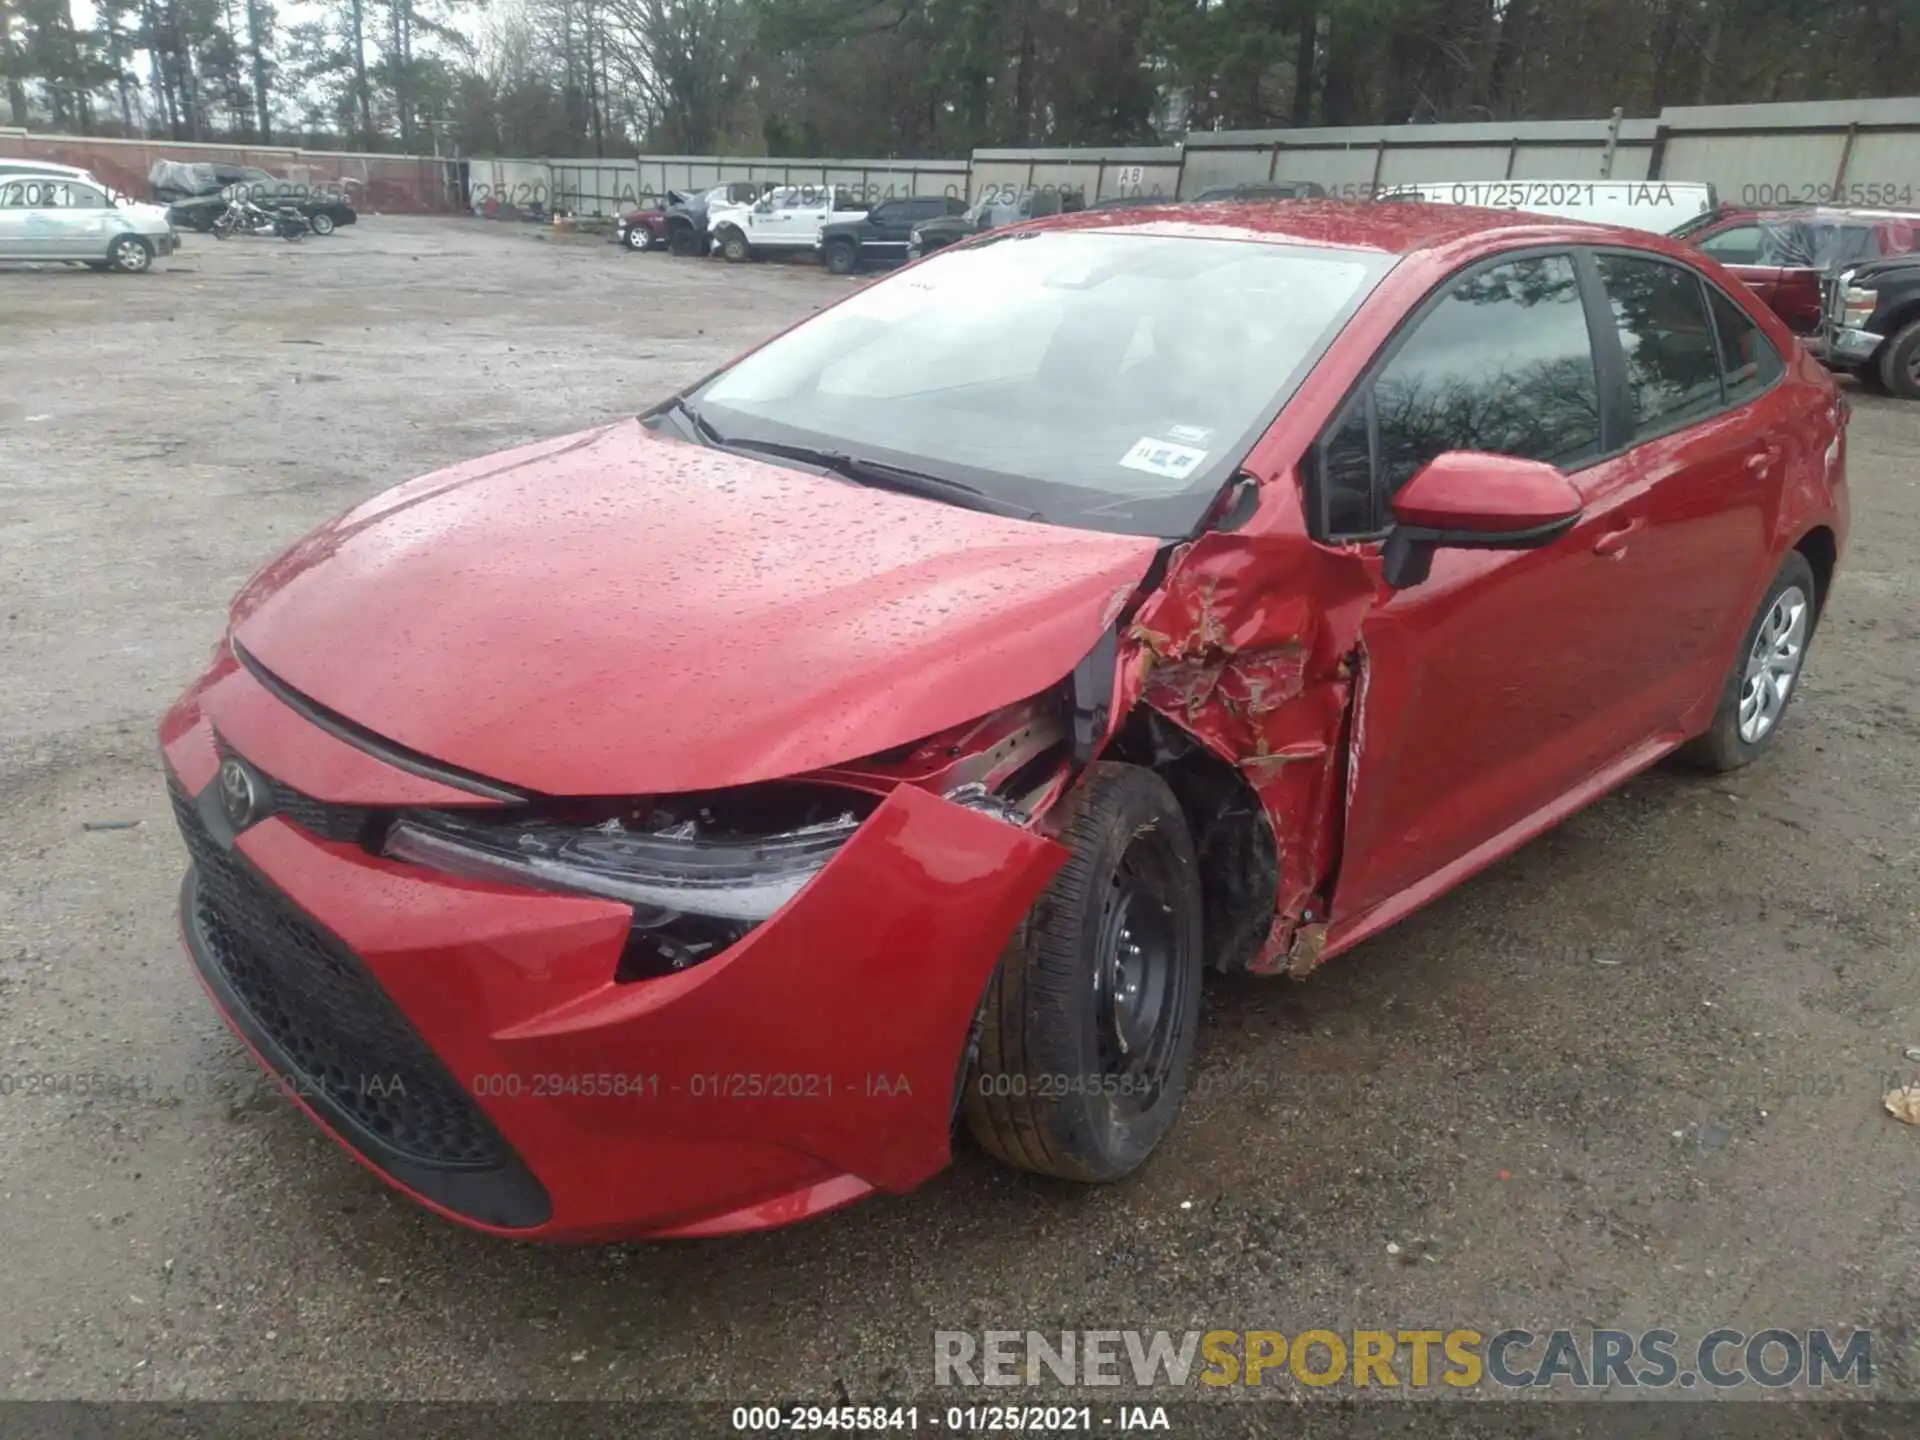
344,1036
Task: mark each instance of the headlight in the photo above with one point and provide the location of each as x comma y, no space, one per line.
699,872
1857,305
916,237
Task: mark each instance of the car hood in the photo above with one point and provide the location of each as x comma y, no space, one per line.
1883,268
620,613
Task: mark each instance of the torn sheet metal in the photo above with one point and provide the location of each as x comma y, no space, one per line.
1250,645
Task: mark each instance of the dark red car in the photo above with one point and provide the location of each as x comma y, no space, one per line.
678,828
1786,256
645,226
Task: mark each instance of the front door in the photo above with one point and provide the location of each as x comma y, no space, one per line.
1502,681
78,217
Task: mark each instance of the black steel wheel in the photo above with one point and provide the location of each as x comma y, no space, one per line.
1087,1028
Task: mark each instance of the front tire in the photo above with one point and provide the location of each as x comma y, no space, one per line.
1087,1028
1900,362
734,247
1766,673
682,242
322,222
639,239
130,254
841,257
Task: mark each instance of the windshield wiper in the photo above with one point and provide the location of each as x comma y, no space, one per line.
884,476
701,425
861,471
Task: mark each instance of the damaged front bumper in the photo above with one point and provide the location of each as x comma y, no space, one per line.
1854,347
467,1040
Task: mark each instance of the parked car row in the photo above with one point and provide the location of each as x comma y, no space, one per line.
742,220
1789,256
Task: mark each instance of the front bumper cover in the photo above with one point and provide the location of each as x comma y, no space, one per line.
813,1062
1855,347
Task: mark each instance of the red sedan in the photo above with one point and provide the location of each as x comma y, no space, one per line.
681,827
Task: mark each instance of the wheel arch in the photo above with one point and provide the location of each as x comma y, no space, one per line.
1234,842
1821,549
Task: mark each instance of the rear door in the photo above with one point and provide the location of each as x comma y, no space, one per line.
1716,435
796,215
16,241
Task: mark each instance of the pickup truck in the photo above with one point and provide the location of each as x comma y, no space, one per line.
1788,256
787,219
1873,324
881,235
687,220
997,206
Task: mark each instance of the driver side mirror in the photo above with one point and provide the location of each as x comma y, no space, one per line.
1466,500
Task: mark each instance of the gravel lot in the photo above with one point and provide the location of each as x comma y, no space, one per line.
1631,1077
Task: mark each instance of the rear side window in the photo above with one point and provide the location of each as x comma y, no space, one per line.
1673,364
1502,363
1742,245
1748,361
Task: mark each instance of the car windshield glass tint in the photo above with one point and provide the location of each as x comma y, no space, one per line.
1105,380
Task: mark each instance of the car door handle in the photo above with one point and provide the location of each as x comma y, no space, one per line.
1614,542
1761,460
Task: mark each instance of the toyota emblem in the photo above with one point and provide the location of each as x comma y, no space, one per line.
239,794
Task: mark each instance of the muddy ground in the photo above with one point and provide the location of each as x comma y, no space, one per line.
1631,1076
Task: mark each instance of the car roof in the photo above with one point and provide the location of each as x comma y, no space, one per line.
43,167
1381,226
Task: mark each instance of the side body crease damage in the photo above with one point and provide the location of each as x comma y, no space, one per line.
1265,681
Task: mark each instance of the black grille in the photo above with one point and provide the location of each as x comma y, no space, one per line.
342,1037
320,818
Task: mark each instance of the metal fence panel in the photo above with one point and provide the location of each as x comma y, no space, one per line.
1883,170
1579,162
1417,163
1756,169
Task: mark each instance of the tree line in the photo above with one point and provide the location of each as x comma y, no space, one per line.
907,77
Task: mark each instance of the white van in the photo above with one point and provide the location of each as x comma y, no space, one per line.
1654,205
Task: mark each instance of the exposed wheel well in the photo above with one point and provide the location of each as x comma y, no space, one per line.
1232,838
1822,552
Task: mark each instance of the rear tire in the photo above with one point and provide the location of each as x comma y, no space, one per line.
1793,599
1087,1029
130,254
322,222
682,242
1900,362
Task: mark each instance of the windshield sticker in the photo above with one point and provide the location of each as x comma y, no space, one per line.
1190,434
1163,457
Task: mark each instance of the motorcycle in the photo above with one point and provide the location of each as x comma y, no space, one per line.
243,217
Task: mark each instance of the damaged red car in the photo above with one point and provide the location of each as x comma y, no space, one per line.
688,826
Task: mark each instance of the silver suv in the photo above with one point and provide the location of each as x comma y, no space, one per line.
70,216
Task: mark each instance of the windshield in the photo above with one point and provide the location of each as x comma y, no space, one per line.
1109,381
